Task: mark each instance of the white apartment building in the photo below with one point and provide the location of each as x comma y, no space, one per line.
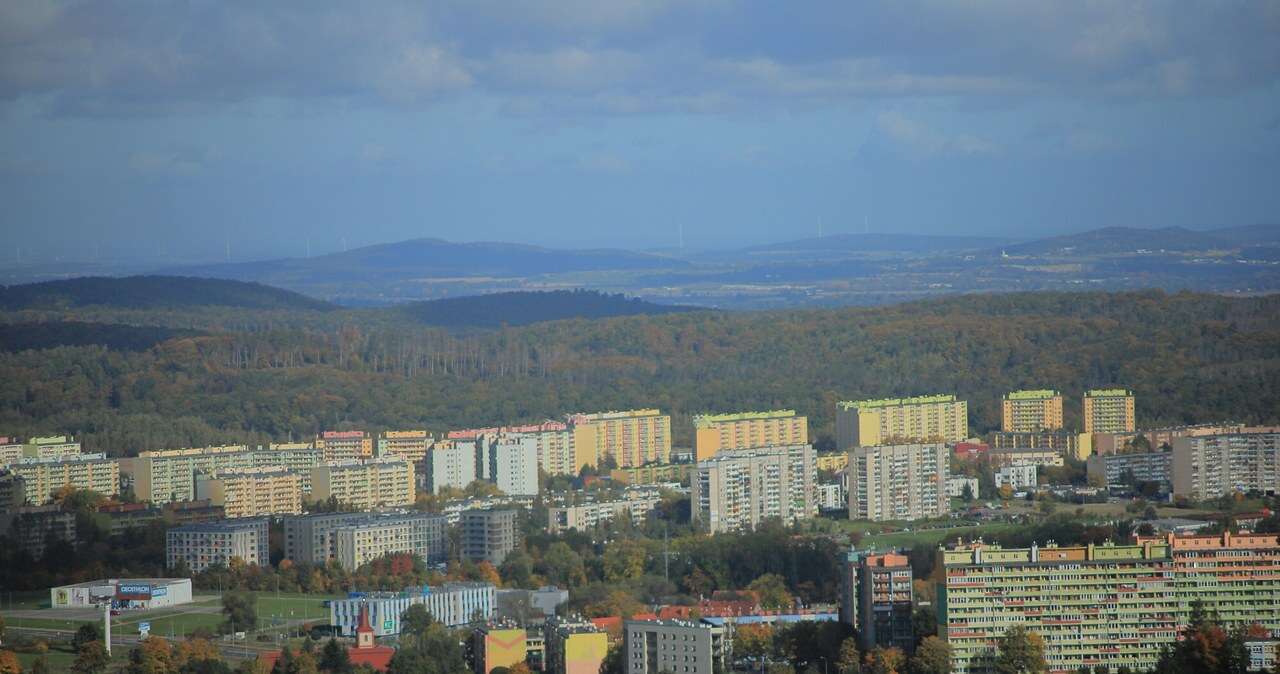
451,604
451,463
586,516
1210,466
358,542
167,475
898,482
208,544
738,490
1018,476
511,463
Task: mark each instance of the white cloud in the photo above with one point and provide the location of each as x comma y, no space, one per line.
922,140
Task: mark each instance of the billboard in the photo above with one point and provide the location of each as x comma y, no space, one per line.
133,591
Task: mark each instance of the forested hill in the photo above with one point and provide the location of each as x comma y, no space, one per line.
523,308
1189,358
147,292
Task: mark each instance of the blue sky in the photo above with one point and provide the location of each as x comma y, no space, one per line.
158,128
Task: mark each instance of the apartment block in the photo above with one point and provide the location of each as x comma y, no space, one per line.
487,535
494,646
52,447
312,538
653,474
575,647
32,528
562,449
653,646
13,491
44,477
1104,605
451,604
1114,470
898,482
1163,437
421,534
252,492
365,485
630,438
1017,477
956,487
885,602
935,418
162,476
345,445
739,490
409,445
833,462
585,516
510,462
452,463
1210,466
1108,411
201,546
1010,456
1031,411
715,433
1078,446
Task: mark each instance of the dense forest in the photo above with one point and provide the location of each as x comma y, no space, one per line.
1189,357
142,292
495,310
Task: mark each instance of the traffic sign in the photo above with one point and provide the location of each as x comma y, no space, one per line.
144,628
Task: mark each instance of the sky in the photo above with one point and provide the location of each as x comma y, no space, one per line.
242,130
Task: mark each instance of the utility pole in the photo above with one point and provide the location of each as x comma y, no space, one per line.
106,625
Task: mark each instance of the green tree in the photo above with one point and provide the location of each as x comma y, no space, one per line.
152,655
1020,652
239,612
614,661
334,658
84,634
623,560
849,660
91,658
41,665
885,661
562,566
772,590
932,656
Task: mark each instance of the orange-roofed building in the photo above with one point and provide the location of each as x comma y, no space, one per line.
365,652
612,625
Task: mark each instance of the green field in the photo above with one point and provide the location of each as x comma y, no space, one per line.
907,539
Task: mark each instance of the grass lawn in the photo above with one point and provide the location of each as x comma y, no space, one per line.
61,660
170,622
24,600
297,606
907,539
49,623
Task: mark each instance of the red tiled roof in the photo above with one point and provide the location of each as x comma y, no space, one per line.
378,657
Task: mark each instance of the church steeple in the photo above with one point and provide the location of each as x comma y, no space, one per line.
364,631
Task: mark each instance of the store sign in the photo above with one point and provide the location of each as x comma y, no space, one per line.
133,592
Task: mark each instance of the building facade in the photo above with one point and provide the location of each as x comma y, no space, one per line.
252,492
575,647
451,604
1108,411
956,487
629,438
1209,466
936,418
494,646
715,433
1108,605
1078,446
898,482
1023,455
510,462
1113,470
52,447
44,477
736,491
365,485
345,445
1031,411
654,646
363,540
201,546
585,516
677,473
452,464
885,601
1017,477
162,476
408,445
487,535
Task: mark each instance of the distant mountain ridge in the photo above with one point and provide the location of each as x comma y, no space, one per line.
432,258
524,308
882,242
150,292
1119,240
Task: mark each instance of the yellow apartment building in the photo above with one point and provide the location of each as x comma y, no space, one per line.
714,433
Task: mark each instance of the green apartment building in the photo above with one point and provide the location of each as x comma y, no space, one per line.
1108,605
